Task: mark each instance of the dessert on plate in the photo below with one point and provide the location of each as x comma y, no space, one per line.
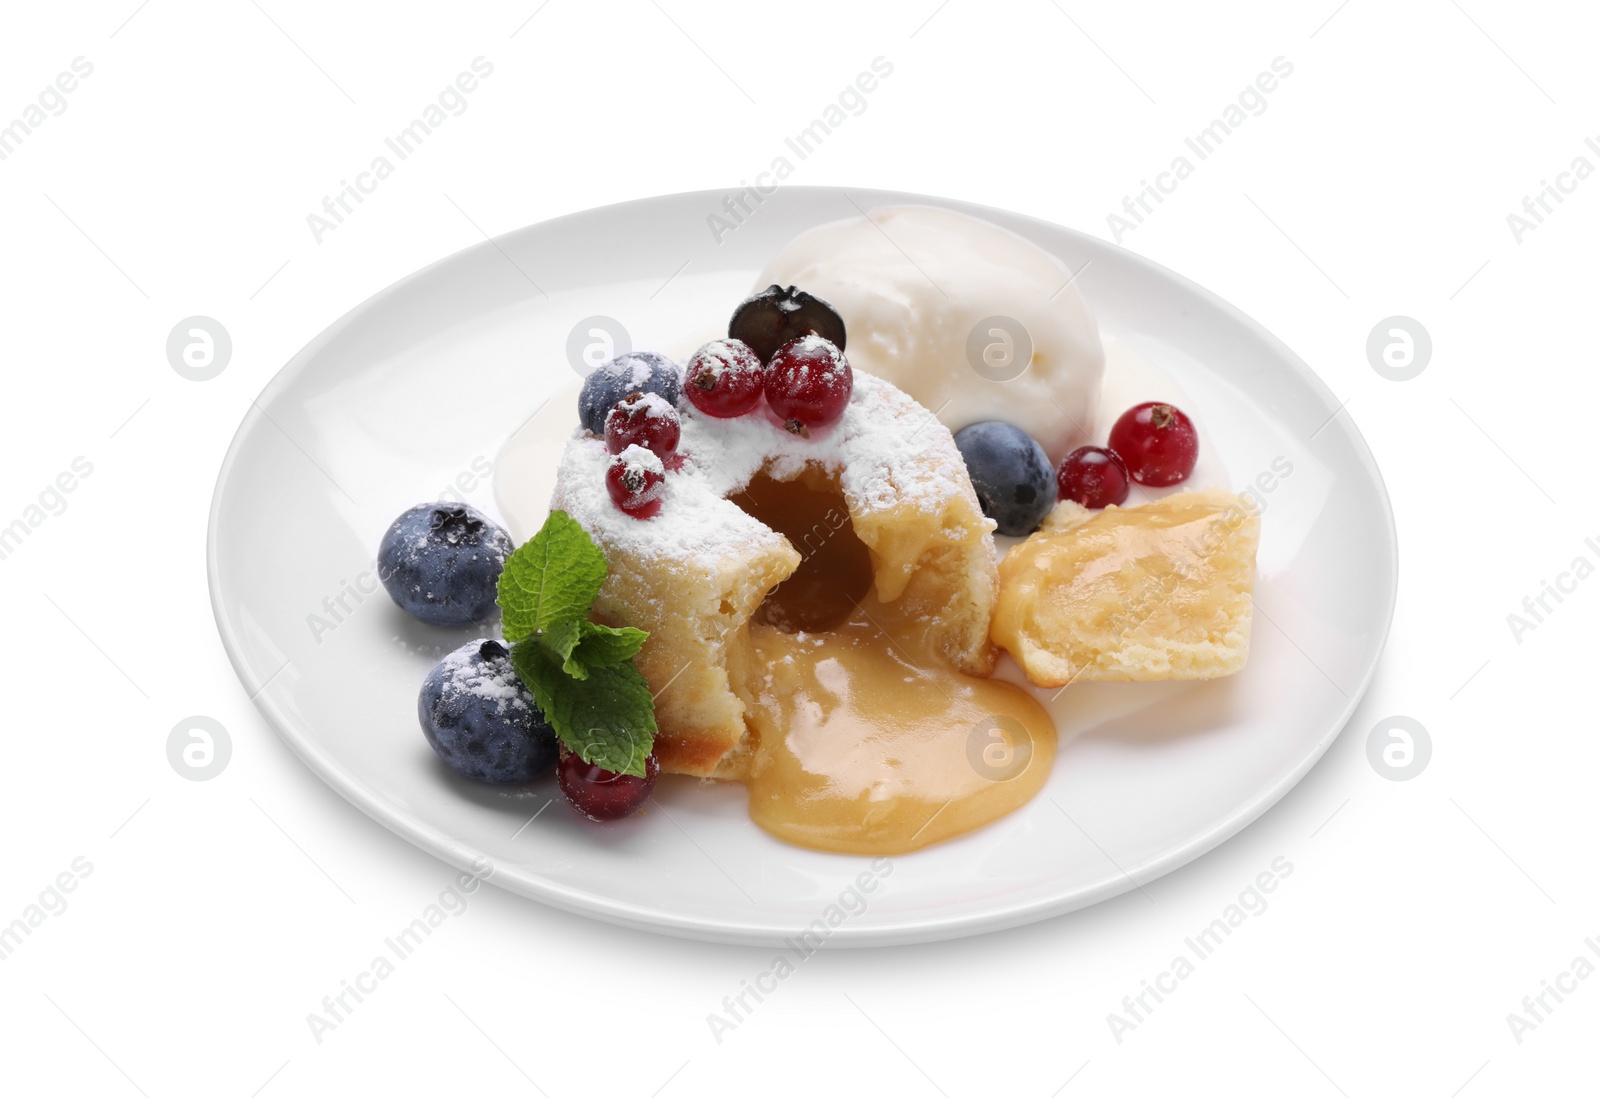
795,560
819,599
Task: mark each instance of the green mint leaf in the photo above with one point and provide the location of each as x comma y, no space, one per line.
560,641
607,720
603,646
581,644
581,674
552,579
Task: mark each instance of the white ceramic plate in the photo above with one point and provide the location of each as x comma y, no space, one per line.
413,393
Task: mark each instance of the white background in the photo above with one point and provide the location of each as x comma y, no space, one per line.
218,914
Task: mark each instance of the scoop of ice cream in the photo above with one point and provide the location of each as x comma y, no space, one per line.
972,320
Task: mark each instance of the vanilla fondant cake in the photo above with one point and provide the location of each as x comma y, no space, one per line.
694,575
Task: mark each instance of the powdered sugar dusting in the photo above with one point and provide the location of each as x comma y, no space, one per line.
888,451
638,371
812,343
493,681
649,406
641,470
637,459
717,358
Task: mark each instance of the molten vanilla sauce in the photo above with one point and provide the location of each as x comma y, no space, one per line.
867,741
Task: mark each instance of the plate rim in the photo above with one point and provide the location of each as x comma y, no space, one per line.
905,931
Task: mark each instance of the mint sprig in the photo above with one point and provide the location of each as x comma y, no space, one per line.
608,719
580,673
552,580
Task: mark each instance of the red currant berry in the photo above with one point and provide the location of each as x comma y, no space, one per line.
642,419
635,479
1157,442
1094,477
602,794
724,378
808,383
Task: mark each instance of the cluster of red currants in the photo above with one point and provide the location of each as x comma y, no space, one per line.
1151,443
784,346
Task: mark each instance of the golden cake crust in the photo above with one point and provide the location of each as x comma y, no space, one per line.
693,575
1161,590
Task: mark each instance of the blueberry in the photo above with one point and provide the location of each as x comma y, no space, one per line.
769,319
481,720
441,563
1011,474
635,372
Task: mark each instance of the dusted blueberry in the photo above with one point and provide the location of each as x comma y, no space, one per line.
441,563
769,319
481,720
1011,474
634,372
